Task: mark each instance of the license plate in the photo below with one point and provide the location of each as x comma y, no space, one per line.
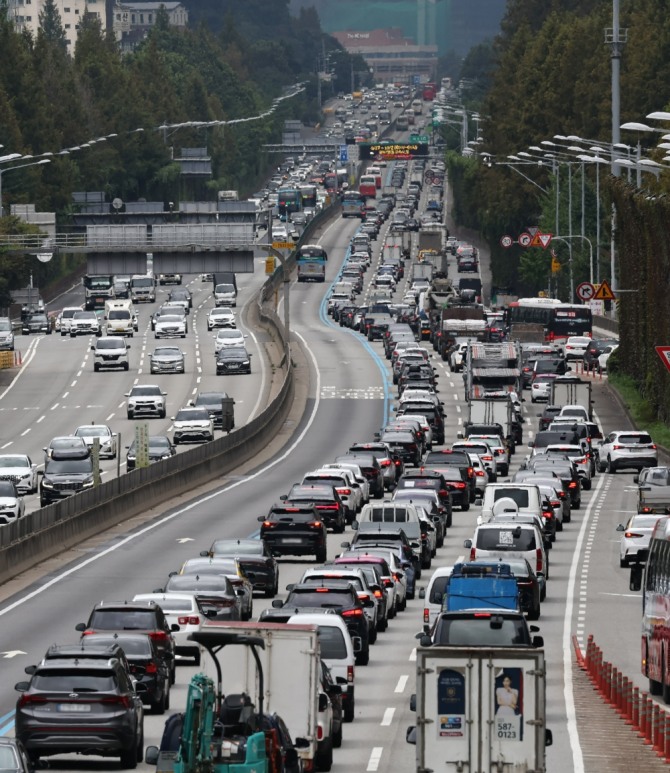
233,367
291,540
74,707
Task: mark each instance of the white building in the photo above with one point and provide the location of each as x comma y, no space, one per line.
26,15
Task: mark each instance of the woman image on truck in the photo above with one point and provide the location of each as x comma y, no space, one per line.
507,698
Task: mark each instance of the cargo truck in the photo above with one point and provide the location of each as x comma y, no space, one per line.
98,289
480,709
570,390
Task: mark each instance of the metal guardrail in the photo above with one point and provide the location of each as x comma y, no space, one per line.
605,323
79,241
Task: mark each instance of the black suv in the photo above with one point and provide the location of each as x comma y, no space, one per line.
138,617
213,402
83,706
233,359
63,477
334,594
294,530
325,498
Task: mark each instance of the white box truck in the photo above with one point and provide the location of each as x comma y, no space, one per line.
570,390
480,709
291,671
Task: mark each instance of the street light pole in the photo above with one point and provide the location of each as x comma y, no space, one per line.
19,166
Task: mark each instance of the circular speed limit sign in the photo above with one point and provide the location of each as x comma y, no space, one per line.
506,241
585,291
525,239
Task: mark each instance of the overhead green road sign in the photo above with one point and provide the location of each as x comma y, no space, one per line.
419,138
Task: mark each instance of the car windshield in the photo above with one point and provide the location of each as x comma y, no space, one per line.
145,390
7,489
92,431
119,314
68,466
5,325
167,351
192,414
238,547
170,318
333,645
224,289
85,315
228,334
110,344
14,461
142,281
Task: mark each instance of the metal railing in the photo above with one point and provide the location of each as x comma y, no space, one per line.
144,243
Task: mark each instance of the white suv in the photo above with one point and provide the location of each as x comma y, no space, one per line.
631,449
110,352
145,400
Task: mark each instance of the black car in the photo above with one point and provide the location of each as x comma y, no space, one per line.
255,558
159,447
63,477
547,416
449,458
294,530
85,706
145,663
326,500
334,692
334,594
213,402
181,295
565,470
136,616
450,483
233,359
36,323
404,444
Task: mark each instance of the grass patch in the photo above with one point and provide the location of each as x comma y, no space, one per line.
641,411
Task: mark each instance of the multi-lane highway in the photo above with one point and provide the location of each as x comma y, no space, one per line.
349,395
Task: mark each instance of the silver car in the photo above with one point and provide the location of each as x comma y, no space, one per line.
636,536
19,469
106,438
167,359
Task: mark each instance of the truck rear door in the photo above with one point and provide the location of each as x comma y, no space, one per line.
481,709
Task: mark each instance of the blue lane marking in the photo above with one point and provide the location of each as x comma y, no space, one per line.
7,722
323,314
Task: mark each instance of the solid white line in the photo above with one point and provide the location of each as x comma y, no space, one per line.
166,519
402,683
573,732
375,758
388,717
412,655
30,353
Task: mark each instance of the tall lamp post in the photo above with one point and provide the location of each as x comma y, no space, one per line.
18,166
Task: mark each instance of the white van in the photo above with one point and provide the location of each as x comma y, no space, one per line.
527,497
110,352
337,651
120,318
399,516
433,594
498,541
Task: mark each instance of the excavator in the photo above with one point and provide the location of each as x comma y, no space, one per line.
224,734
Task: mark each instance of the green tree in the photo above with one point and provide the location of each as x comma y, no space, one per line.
51,27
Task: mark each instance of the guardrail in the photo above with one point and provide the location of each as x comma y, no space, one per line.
81,241
605,323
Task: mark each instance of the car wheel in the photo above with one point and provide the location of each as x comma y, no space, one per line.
363,657
96,367
321,556
43,502
350,707
465,507
159,706
161,414
129,758
611,467
623,563
586,485
373,635
534,614
449,520
130,415
337,737
426,563
125,366
62,332
559,526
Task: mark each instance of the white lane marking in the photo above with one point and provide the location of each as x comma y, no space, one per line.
412,655
573,732
65,394
198,502
74,383
26,431
402,683
111,415
194,391
78,375
122,403
7,444
30,353
54,406
388,717
198,379
375,758
41,418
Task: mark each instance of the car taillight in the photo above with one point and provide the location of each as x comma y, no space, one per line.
319,733
411,446
160,636
328,507
473,554
26,700
487,458
388,582
617,448
344,491
426,615
471,471
397,462
385,463
561,494
459,485
539,566
581,461
572,484
364,597
151,668
632,535
188,620
352,612
653,446
315,524
350,674
646,510
397,575
269,524
555,503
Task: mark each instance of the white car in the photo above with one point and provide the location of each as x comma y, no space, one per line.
64,319
228,337
19,469
636,536
575,347
480,472
457,357
192,425
627,449
170,326
604,357
180,609
222,316
12,507
358,477
540,389
105,436
85,323
433,594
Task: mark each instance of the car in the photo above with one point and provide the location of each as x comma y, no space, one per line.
66,447
65,709
226,566
183,610
215,594
214,402
158,447
540,388
138,617
192,425
64,319
325,498
19,469
565,469
14,757
604,357
110,352
85,323
169,309
167,359
580,457
62,478
169,279
6,334
595,348
547,416
106,439
256,559
183,297
170,326
333,594
145,664
12,506
294,530
345,485
627,449
36,323
233,359
229,337
146,400
635,537
221,316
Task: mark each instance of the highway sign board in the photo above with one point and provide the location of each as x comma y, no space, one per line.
585,291
419,138
664,353
283,245
525,239
604,292
344,154
506,241
541,240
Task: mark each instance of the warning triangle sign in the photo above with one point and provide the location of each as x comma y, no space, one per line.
664,353
604,292
532,229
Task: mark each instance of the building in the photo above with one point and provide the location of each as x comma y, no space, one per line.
392,57
26,15
132,21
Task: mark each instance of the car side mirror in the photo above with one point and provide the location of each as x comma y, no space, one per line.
277,603
537,641
422,593
621,527
151,755
410,735
548,737
22,686
467,543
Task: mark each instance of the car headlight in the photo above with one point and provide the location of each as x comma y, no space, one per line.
47,483
166,456
88,483
27,476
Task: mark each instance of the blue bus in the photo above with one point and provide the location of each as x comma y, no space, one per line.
311,262
289,200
